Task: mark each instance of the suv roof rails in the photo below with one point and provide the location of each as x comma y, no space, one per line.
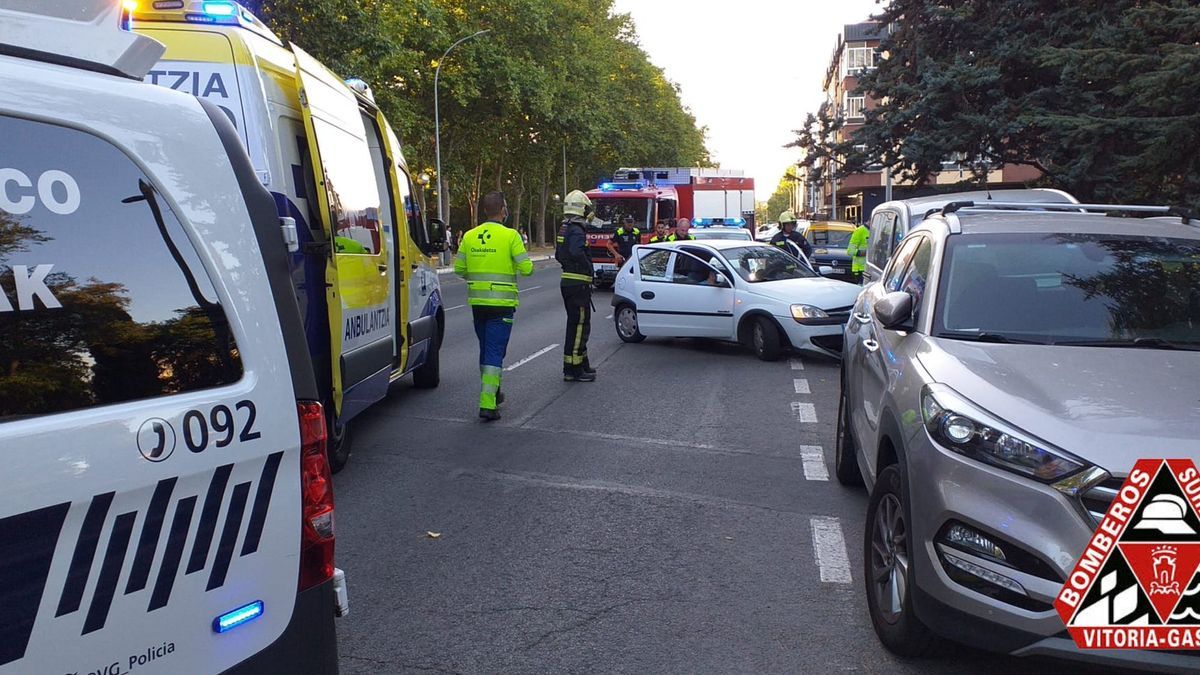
1185,215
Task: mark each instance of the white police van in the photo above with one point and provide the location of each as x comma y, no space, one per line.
167,505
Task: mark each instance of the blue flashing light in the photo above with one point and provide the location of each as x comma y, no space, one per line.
606,187
219,8
610,187
720,222
244,614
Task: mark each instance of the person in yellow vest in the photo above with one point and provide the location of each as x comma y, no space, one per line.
857,250
661,232
683,228
489,258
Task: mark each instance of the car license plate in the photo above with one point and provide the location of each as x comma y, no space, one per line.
606,267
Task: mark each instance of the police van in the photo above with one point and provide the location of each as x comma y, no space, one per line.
167,505
362,267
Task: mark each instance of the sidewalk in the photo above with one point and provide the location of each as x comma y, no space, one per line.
536,254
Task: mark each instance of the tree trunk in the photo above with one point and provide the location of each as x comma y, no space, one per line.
543,204
520,199
473,195
499,175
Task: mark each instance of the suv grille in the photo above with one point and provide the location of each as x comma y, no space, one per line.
1097,500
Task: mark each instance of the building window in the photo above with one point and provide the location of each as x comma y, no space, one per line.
854,106
857,59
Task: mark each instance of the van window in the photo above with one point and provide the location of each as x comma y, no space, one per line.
350,185
412,210
103,299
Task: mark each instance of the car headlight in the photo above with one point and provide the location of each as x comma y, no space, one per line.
961,427
803,312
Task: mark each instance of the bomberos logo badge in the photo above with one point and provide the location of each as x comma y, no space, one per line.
1137,584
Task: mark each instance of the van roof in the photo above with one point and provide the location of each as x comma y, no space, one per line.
87,34
206,13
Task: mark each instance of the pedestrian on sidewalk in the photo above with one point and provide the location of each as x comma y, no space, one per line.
489,258
571,253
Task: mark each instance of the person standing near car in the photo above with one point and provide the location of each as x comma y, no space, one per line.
683,228
489,258
857,250
661,232
577,273
788,238
620,246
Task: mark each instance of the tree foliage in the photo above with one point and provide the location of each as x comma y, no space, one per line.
1103,96
550,72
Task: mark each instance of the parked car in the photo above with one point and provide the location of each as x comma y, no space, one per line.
999,381
890,221
733,232
738,291
829,240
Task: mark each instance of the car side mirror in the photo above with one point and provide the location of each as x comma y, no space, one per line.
436,235
825,271
721,280
894,310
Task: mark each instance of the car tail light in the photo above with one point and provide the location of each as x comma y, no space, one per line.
316,490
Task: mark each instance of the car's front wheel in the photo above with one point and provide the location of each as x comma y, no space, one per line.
764,339
845,454
887,569
626,321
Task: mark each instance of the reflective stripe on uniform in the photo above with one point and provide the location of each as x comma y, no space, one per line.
490,379
488,276
575,358
520,259
576,277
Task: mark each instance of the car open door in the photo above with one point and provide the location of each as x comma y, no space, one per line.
357,282
686,303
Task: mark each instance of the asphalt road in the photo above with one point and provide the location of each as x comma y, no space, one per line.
659,520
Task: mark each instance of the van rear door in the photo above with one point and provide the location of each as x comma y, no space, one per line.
148,434
359,290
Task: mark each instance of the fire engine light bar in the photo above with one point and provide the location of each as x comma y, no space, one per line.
244,614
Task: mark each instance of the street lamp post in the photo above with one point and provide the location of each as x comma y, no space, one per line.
437,120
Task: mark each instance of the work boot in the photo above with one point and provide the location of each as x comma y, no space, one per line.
489,414
587,368
581,376
499,398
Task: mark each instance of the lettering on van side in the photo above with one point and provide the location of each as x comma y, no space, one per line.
363,324
189,81
135,660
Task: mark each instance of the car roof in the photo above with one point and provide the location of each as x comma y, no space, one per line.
998,222
919,206
719,244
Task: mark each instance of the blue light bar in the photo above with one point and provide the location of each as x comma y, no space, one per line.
724,222
244,614
219,8
609,187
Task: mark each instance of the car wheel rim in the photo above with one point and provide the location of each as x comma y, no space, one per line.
889,559
627,322
759,339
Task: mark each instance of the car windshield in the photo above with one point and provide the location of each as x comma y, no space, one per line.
766,263
725,233
611,212
1088,289
829,238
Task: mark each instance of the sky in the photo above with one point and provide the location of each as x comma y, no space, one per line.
749,70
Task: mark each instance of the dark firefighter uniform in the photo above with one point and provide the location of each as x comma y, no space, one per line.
577,273
489,258
781,239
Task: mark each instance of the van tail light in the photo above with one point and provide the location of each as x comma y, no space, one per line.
316,490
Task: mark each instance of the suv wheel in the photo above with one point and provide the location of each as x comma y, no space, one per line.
764,339
887,570
626,322
845,454
338,444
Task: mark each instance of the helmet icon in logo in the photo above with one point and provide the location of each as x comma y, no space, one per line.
1165,514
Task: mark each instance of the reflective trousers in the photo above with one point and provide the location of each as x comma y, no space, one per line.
493,327
577,299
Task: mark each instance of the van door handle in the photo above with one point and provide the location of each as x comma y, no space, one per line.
870,345
382,268
647,295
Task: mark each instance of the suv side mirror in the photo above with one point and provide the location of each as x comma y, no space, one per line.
437,236
894,310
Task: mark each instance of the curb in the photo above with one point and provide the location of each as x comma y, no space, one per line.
533,258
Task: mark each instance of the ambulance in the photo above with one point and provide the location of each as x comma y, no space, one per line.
362,260
167,503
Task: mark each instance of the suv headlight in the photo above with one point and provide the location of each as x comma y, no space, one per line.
802,313
958,425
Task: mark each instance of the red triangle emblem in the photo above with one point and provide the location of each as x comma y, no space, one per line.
1163,571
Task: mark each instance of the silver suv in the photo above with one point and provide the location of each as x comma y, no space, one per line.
998,383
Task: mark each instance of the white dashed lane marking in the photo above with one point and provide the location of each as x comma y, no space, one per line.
455,307
531,357
526,290
801,386
830,548
796,363
608,317
804,412
814,462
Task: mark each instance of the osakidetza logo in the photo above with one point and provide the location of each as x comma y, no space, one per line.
1137,584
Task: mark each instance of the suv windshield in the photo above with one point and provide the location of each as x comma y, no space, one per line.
766,263
611,212
1088,289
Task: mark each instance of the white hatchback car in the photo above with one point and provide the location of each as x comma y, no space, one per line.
738,291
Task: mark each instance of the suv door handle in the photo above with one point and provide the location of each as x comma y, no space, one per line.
870,345
861,318
647,295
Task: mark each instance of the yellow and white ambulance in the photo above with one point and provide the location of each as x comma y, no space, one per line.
361,262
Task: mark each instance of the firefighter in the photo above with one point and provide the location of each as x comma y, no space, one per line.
682,229
577,272
661,232
788,238
489,258
620,246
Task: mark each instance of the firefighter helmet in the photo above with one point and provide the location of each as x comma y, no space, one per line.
577,204
787,217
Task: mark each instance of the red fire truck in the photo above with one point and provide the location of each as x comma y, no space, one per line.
650,195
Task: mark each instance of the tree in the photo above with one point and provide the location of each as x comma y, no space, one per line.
1103,96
